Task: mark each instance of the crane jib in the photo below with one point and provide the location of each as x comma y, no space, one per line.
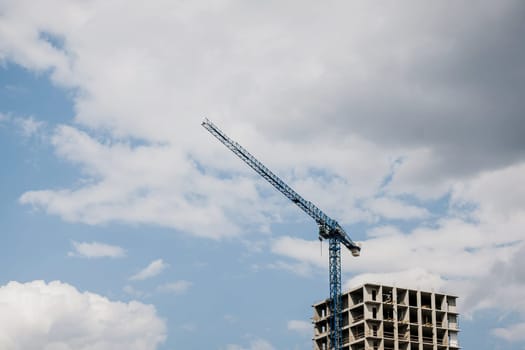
308,207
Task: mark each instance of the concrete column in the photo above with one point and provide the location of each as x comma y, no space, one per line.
419,321
396,333
434,320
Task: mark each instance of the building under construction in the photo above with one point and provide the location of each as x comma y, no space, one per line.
379,317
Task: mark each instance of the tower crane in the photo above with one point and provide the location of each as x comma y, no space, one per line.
328,228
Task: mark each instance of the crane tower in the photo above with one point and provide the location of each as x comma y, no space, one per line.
328,228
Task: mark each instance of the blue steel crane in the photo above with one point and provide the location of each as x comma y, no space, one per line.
328,228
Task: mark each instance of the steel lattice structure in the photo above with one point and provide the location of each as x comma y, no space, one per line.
328,228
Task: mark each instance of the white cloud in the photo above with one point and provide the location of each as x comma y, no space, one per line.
496,194
502,285
307,252
96,250
29,126
300,326
515,332
169,191
152,270
38,315
382,231
177,287
435,249
395,209
416,278
298,268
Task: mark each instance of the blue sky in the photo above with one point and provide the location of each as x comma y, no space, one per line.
126,225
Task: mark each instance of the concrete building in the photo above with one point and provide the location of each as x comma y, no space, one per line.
379,317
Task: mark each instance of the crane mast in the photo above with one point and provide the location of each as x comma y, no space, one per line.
328,228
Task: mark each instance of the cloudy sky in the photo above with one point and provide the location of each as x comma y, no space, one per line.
126,225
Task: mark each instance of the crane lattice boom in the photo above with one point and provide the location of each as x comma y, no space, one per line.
328,227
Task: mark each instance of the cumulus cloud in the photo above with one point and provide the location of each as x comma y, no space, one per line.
39,315
152,270
494,194
96,250
148,184
502,286
405,81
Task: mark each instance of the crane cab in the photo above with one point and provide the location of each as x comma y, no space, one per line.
324,232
